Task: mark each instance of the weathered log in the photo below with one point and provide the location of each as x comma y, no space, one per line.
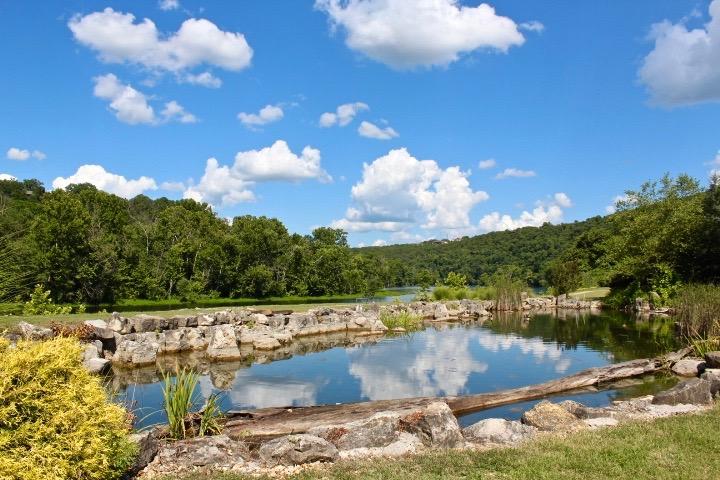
272,422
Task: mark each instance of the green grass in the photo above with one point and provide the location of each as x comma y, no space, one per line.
405,320
671,448
590,293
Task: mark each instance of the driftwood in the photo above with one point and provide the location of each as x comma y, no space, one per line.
273,422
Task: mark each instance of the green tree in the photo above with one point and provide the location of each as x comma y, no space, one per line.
564,276
455,280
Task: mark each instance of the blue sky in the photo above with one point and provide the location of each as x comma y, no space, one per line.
574,101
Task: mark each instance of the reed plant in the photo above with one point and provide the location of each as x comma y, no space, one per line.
179,400
402,319
698,311
508,293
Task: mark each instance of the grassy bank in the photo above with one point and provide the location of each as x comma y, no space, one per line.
671,448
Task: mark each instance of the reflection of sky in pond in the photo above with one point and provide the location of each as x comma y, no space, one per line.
451,360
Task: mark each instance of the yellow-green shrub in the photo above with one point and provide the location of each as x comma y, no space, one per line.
56,421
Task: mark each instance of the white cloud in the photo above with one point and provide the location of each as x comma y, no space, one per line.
684,66
131,106
542,213
229,185
205,79
37,154
18,154
344,114
119,39
410,33
370,130
397,188
267,114
173,186
515,173
106,181
532,26
486,164
169,4
379,243
716,160
5,176
612,208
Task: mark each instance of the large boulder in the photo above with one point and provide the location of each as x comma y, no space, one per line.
688,367
140,349
435,425
297,450
380,430
222,344
712,376
100,329
265,342
440,312
183,339
148,323
546,416
217,452
498,430
92,361
712,360
695,391
583,412
32,332
147,444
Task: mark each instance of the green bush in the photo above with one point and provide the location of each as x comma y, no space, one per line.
40,303
56,421
405,320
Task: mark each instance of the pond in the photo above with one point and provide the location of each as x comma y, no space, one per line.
443,359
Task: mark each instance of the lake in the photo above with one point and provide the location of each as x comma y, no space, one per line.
443,359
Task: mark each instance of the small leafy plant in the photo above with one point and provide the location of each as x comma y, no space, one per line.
178,395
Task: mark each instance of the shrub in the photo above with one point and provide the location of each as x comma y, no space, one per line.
698,308
56,421
40,303
405,320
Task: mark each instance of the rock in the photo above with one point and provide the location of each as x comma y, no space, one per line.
600,422
100,329
140,351
118,324
222,344
97,365
259,319
380,430
216,452
265,343
32,332
147,323
712,360
435,425
695,391
712,375
688,367
498,430
147,442
405,444
582,412
546,416
440,312
297,450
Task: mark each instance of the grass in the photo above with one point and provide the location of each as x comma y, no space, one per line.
670,448
467,293
590,293
405,320
698,309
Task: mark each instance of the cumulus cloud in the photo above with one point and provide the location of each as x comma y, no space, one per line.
229,185
515,173
118,38
612,208
205,79
343,115
6,176
532,26
684,66
550,212
486,164
131,106
169,4
370,130
21,155
267,114
106,181
411,33
398,191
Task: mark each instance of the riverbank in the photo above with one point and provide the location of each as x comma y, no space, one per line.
668,448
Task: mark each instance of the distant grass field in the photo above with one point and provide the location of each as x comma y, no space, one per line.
591,293
671,448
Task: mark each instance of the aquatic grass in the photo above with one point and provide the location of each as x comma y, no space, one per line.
444,293
508,293
210,416
178,395
403,319
698,311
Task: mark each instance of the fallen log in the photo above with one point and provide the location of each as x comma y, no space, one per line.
267,423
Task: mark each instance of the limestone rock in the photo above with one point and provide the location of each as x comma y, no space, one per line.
140,349
546,416
712,360
380,430
435,425
582,412
297,450
688,367
100,329
405,444
695,391
440,312
223,344
498,430
600,422
712,375
147,442
32,332
214,452
265,343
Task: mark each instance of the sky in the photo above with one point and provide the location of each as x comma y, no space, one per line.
396,120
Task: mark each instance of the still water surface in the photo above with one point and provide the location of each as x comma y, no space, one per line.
441,360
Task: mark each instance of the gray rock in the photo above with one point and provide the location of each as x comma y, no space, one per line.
695,391
712,359
435,425
148,323
147,442
259,319
214,452
440,312
712,375
262,342
32,332
142,350
546,416
688,367
297,450
97,365
100,329
498,430
380,430
583,412
223,344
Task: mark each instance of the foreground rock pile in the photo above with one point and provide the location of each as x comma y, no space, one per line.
410,431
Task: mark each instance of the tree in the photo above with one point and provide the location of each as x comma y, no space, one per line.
564,276
455,280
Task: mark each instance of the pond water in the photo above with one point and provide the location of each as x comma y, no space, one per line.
448,359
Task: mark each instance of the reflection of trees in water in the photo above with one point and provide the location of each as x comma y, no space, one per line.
623,336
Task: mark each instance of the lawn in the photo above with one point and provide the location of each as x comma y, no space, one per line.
671,448
590,293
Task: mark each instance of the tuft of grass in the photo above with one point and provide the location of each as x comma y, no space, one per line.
210,417
405,320
178,401
698,308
